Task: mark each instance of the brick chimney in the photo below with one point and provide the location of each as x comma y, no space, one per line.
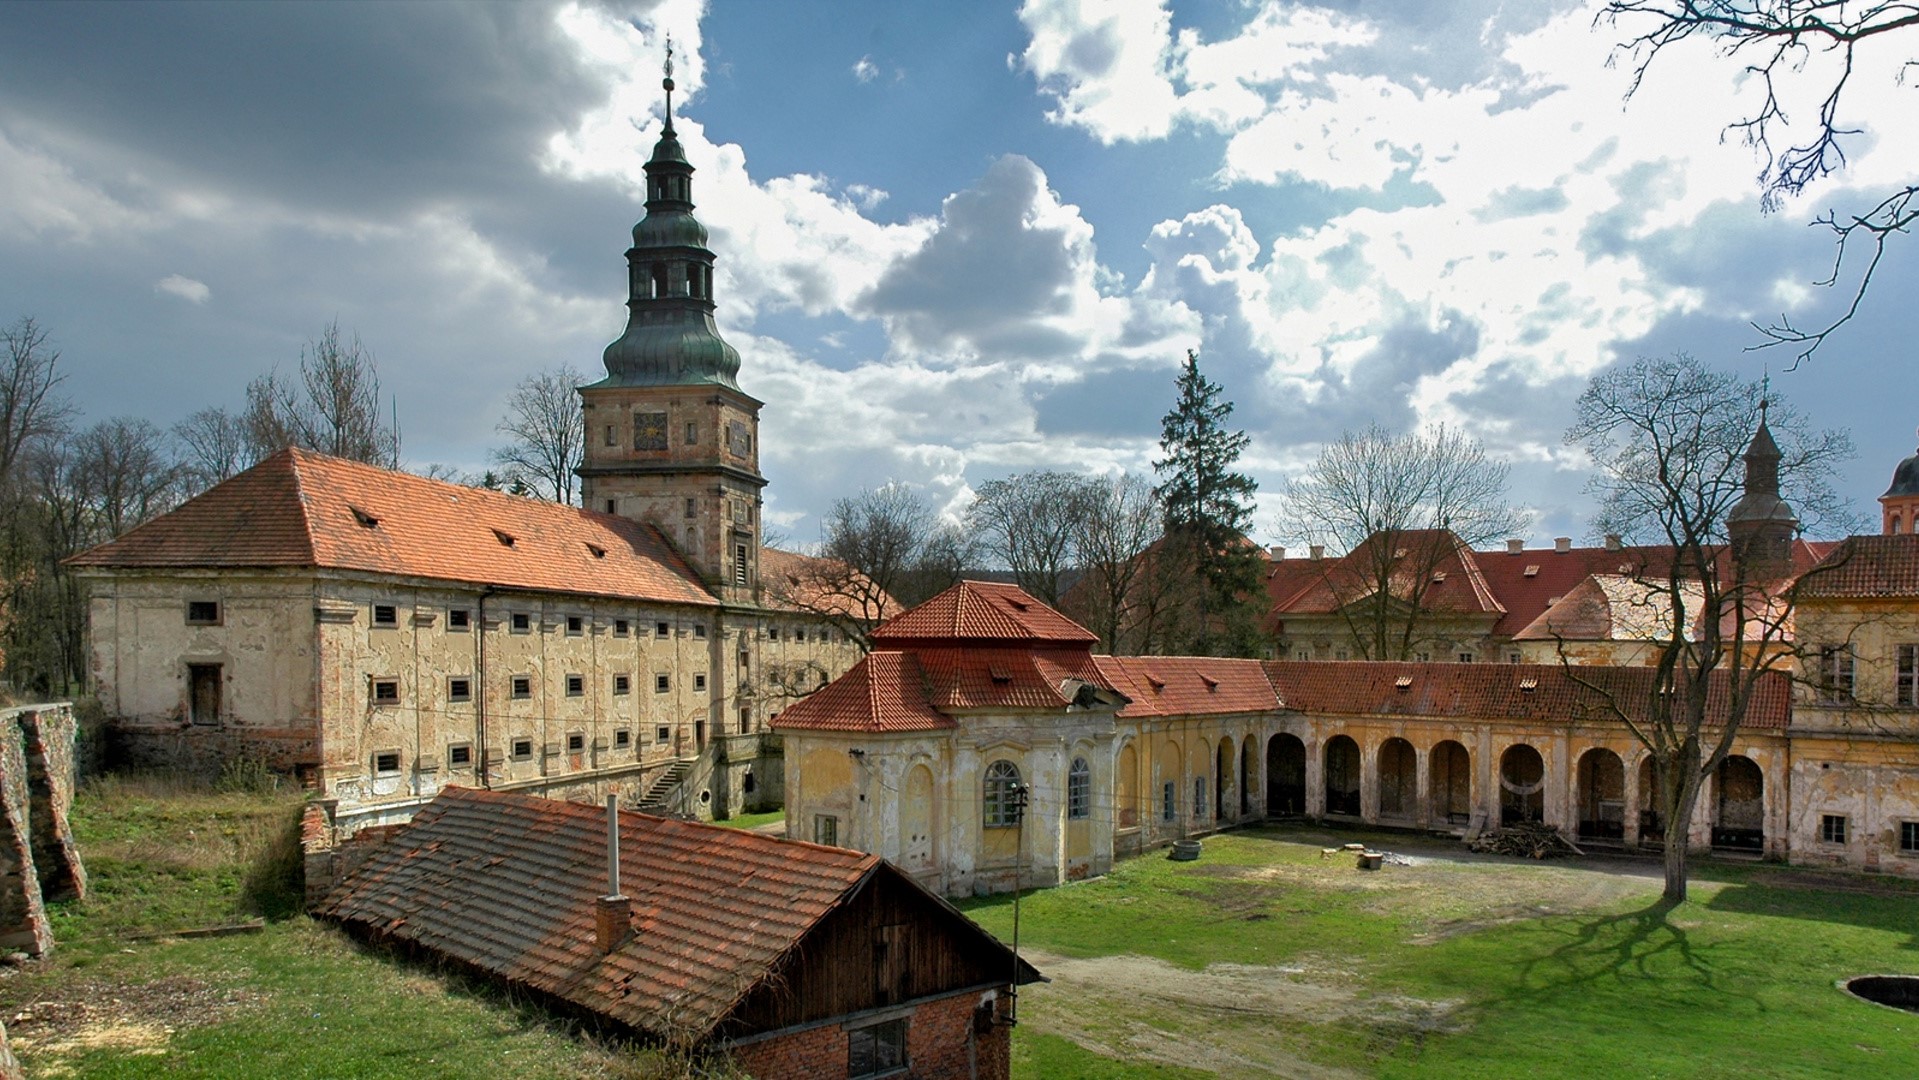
612,913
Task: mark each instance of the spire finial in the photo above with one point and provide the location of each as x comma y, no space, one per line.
667,82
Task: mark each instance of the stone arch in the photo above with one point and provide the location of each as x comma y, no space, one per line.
916,820
1522,785
1652,819
1450,783
1285,775
1126,788
1248,774
1342,775
1601,795
1225,777
1398,779
1739,805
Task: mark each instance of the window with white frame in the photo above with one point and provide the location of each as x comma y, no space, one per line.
1079,790
1835,674
1909,838
1832,828
999,795
1905,689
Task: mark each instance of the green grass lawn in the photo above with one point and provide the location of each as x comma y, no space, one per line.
752,821
1265,958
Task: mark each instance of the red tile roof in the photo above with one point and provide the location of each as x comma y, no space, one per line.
962,678
506,884
300,509
884,692
979,611
1189,685
1492,691
1866,567
809,583
1345,579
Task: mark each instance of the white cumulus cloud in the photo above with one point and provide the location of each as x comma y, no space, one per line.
184,287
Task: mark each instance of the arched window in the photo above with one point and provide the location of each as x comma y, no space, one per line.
1079,790
659,280
1001,785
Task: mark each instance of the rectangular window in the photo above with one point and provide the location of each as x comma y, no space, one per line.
692,508
877,1050
699,683
386,615
612,435
622,684
1906,690
522,686
1514,658
622,739
662,630
459,755
203,692
826,830
1423,657
699,631
662,684
386,763
746,719
575,626
1909,837
459,688
575,742
621,628
1169,801
522,749
458,619
692,433
1199,798
609,506
575,685
1832,828
203,612
662,734
1465,658
1303,654
386,691
799,635
772,633
522,622
1835,674
1342,654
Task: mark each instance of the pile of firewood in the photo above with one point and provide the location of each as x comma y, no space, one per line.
1529,839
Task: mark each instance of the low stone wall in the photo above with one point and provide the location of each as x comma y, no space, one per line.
201,750
38,859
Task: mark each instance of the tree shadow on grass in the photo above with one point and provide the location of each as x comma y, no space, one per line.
1643,944
1849,899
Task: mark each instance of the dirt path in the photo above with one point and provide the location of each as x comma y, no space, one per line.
1229,1019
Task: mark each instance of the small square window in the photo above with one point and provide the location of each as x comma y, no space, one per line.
522,622
622,684
621,628
386,615
662,684
1832,828
522,749
699,631
1909,837
622,738
662,630
575,685
459,688
772,633
203,612
799,635
458,618
522,686
575,742
459,755
662,734
699,682
575,626
879,1050
386,762
386,691
1515,658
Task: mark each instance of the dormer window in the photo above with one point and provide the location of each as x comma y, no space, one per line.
365,519
1532,570
504,539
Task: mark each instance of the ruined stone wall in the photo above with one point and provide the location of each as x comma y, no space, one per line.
38,859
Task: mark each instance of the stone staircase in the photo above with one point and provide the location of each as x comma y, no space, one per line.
658,798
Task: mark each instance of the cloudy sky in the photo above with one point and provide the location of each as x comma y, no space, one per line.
955,240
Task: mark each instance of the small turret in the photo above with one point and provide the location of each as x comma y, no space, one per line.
1761,525
1899,506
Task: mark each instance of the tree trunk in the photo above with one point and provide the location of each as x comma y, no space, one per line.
1681,806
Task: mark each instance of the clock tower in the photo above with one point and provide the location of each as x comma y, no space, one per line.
670,436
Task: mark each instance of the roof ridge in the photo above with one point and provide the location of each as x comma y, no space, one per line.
293,455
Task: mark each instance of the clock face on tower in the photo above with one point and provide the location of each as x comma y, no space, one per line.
649,431
739,441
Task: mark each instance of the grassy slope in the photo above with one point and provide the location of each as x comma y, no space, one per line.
1738,982
295,1000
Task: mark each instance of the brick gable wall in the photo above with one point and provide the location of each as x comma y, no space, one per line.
941,1044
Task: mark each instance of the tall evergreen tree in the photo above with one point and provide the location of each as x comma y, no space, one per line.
1209,507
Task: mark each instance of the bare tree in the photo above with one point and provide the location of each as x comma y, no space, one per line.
126,469
547,427
1031,524
1669,439
883,549
334,408
1115,595
30,407
1776,40
1401,506
215,445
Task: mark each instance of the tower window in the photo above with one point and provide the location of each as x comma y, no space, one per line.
612,435
692,433
659,279
692,508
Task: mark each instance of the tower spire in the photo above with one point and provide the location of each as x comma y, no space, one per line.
667,82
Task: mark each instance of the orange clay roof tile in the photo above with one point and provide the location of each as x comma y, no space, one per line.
974,611
299,509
